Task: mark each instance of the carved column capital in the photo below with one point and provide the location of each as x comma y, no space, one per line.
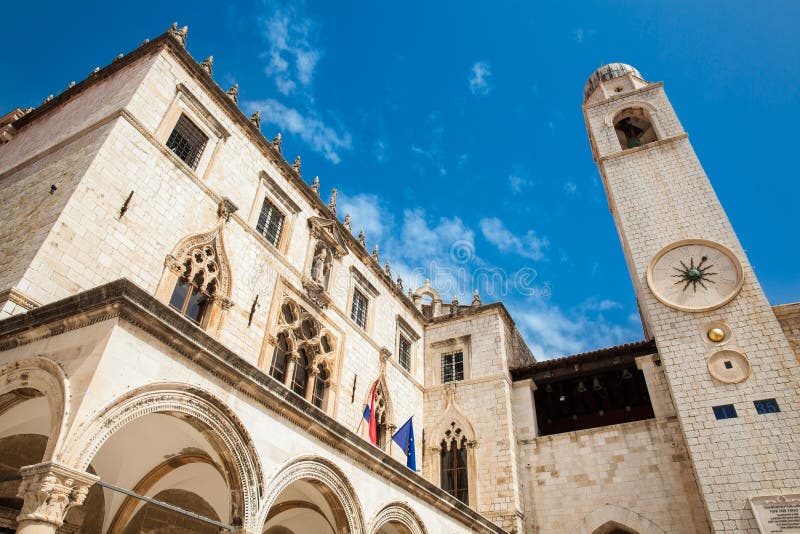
49,490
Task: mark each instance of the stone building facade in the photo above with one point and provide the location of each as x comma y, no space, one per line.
189,335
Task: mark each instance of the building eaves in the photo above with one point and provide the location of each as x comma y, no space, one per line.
628,350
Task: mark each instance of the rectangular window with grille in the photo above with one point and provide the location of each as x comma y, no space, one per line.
270,222
452,367
187,141
359,311
404,350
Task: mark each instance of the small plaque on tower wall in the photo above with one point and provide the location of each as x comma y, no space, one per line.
777,513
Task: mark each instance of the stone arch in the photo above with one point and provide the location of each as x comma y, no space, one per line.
610,516
631,120
453,413
428,291
323,471
214,239
223,429
47,377
398,512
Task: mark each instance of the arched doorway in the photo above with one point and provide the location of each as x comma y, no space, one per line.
310,494
33,393
176,445
397,518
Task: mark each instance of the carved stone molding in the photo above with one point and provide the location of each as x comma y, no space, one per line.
398,513
226,208
323,471
316,292
327,230
49,490
19,298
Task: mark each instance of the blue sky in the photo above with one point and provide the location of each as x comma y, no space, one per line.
454,134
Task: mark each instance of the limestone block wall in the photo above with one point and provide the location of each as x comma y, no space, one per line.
481,405
85,242
30,209
657,386
634,473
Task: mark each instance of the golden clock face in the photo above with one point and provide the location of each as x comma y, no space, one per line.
695,275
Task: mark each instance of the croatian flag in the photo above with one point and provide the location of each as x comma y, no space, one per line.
369,417
404,437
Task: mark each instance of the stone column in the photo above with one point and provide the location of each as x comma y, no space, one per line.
287,378
311,382
49,490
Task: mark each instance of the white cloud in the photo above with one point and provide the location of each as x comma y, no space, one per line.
552,333
570,187
479,80
381,150
528,246
291,55
309,127
578,35
365,213
517,183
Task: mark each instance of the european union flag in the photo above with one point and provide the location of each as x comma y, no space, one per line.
366,412
404,437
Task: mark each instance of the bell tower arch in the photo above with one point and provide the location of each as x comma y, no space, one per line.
723,351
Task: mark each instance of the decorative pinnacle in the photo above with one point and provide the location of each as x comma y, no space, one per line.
315,185
296,165
208,65
362,240
255,118
95,70
277,142
332,201
179,33
233,93
71,84
388,269
399,283
48,99
476,298
375,254
347,222
120,56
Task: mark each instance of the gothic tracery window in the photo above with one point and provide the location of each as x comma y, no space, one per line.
197,284
303,355
381,419
453,461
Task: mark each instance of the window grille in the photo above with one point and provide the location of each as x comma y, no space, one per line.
359,311
270,222
452,367
405,353
187,141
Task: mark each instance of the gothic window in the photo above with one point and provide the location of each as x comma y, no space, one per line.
404,352
453,458
320,385
187,141
381,419
300,377
452,367
270,222
279,359
197,284
634,128
358,313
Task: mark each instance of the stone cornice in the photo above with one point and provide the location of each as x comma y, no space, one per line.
622,96
629,151
19,298
129,303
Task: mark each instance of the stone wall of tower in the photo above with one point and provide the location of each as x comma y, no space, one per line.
480,403
109,140
659,194
789,317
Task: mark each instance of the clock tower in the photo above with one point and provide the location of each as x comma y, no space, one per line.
733,376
